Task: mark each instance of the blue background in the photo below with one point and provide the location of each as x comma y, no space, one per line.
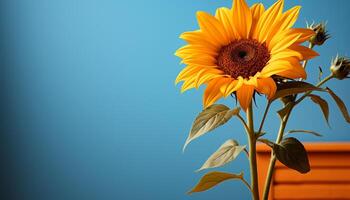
89,107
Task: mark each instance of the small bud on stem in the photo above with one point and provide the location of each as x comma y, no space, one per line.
321,34
340,67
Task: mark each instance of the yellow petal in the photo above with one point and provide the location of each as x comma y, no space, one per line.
244,96
293,74
200,60
289,18
286,53
267,20
190,49
187,72
305,52
252,80
283,41
206,75
211,26
231,86
212,93
242,18
267,86
199,38
257,10
188,84
305,34
275,67
296,72
285,22
224,15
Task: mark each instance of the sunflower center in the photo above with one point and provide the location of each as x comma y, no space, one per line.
243,58
242,54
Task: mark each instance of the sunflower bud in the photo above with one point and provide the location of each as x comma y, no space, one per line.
321,34
340,67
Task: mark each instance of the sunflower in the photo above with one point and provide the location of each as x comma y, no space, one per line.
240,50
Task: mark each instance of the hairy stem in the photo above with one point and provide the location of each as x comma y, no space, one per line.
252,154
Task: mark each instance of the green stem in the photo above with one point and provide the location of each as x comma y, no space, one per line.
252,154
264,117
280,136
246,183
318,85
243,122
273,157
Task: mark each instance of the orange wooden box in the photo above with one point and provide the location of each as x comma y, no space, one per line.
329,177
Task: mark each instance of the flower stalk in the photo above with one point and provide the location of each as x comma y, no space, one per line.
252,154
264,118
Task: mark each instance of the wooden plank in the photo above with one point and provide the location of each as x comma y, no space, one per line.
311,191
263,163
325,159
327,147
315,147
329,177
320,175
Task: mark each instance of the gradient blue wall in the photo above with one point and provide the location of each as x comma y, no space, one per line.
89,107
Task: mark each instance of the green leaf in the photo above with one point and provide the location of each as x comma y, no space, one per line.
322,103
209,119
293,87
340,104
211,179
283,112
305,131
292,153
225,154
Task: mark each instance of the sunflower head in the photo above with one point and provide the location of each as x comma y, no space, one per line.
239,51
